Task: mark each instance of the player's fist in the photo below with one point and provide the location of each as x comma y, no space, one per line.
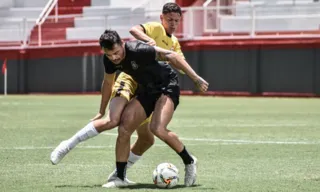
201,84
151,42
98,116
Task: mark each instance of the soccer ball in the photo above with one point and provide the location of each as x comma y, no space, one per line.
166,175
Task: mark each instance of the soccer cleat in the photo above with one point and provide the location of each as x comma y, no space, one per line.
112,176
59,152
191,173
117,182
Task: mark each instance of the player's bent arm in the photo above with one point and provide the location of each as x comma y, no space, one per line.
177,61
138,33
106,90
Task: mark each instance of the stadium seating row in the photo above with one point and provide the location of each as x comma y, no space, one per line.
17,17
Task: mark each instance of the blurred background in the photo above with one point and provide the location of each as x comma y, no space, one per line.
246,47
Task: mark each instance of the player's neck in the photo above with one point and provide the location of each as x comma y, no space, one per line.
168,34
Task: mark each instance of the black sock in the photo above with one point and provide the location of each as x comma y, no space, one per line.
121,169
186,157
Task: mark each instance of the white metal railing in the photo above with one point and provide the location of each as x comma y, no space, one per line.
205,15
44,14
192,29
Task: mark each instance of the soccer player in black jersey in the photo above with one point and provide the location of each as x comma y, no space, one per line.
158,93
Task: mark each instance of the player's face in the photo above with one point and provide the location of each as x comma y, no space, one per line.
170,21
116,54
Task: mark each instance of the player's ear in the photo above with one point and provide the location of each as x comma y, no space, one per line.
122,43
161,17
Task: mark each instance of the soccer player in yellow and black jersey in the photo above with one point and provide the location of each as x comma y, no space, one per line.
124,88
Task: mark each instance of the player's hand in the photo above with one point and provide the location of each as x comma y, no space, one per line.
98,116
151,42
201,84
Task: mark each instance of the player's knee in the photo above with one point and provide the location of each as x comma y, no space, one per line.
158,130
123,133
112,122
124,130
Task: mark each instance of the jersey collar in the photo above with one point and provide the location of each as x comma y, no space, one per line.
168,34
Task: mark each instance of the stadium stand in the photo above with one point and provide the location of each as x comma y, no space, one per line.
272,15
84,20
13,27
118,15
55,31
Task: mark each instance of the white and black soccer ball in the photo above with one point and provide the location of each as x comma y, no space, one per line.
166,175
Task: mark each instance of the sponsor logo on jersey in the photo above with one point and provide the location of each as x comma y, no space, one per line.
163,41
134,65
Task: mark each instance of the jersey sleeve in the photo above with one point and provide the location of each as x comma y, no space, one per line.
108,66
146,52
177,49
152,29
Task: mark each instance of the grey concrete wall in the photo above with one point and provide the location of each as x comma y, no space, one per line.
291,70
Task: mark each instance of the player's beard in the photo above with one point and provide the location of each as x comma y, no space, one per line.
117,61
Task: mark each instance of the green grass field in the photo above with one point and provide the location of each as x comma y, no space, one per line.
243,145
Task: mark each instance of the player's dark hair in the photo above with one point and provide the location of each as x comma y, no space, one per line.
171,8
109,38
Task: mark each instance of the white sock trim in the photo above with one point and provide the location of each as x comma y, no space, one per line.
133,158
85,133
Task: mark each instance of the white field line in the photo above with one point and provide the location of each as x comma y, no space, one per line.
238,141
105,146
203,142
221,124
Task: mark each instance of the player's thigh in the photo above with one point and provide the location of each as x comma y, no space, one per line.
132,116
162,113
116,107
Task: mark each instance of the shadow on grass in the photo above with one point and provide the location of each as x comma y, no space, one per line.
137,186
78,186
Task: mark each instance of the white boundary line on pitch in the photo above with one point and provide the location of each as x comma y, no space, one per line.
206,140
236,141
105,146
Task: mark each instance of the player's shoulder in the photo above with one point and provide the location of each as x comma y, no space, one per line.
106,61
154,24
109,67
137,45
174,39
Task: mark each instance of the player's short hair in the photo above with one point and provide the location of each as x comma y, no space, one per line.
171,8
109,38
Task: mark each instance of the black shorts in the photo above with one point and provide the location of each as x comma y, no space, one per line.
148,99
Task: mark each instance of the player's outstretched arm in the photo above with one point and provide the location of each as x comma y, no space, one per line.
106,89
180,63
138,33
